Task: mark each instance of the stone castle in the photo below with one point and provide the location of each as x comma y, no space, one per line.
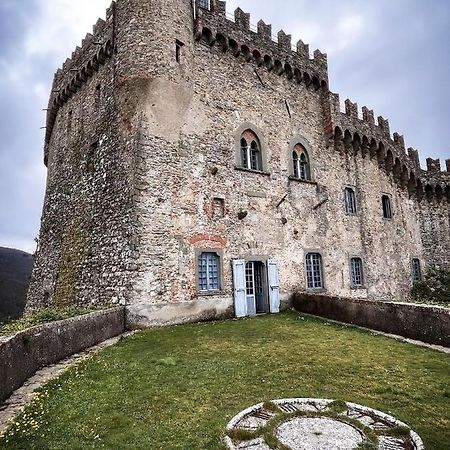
199,168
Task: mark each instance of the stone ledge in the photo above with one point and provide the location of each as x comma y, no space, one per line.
27,351
426,323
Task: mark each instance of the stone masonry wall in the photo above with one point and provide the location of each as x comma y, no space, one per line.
141,149
85,241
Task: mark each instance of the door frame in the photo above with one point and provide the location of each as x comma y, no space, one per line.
263,260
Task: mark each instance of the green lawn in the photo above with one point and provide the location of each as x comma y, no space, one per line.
177,387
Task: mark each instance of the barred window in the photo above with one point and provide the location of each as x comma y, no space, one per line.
387,210
416,270
208,272
205,4
350,200
300,161
314,271
357,272
251,156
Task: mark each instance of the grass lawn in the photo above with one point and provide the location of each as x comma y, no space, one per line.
177,387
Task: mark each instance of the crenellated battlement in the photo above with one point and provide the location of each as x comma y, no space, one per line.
352,131
258,44
85,60
349,127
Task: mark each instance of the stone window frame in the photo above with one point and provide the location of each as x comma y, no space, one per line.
299,139
324,282
413,260
179,51
355,193
220,253
262,144
389,197
363,274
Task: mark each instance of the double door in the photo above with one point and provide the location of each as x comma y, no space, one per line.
256,287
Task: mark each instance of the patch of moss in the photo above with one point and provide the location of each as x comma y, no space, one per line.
337,406
74,251
271,407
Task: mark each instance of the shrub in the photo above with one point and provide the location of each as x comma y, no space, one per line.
434,289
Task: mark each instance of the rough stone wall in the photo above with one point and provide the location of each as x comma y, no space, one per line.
85,241
227,94
123,219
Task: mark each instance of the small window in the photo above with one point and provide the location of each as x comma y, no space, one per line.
179,51
300,162
387,210
314,271
251,156
357,272
69,120
350,200
98,94
218,208
208,272
416,270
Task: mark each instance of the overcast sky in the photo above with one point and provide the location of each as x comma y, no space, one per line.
390,55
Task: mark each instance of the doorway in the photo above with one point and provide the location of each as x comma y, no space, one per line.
256,288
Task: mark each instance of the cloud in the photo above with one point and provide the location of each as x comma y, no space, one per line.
39,35
61,25
390,56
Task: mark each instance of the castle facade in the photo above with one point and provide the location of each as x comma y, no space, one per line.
199,168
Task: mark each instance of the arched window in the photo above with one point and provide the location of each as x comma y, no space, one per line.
314,271
251,156
300,160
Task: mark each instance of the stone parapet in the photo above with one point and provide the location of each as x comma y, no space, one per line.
22,354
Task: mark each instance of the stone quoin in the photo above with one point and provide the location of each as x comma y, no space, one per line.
200,168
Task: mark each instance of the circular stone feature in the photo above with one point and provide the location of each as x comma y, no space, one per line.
317,424
318,433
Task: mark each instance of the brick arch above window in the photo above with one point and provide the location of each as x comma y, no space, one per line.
253,138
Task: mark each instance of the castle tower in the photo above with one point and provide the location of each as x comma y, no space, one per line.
124,75
197,169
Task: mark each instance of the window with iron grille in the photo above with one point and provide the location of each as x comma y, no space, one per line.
314,271
251,156
208,272
205,4
416,270
387,210
300,162
350,200
357,272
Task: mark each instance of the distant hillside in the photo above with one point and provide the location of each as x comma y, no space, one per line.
15,272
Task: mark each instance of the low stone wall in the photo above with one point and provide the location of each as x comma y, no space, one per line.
425,323
22,354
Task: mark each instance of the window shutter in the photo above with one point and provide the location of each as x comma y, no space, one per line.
240,304
274,286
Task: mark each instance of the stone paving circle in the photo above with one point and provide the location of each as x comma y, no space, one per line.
318,424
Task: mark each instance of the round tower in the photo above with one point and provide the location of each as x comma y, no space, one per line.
154,39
